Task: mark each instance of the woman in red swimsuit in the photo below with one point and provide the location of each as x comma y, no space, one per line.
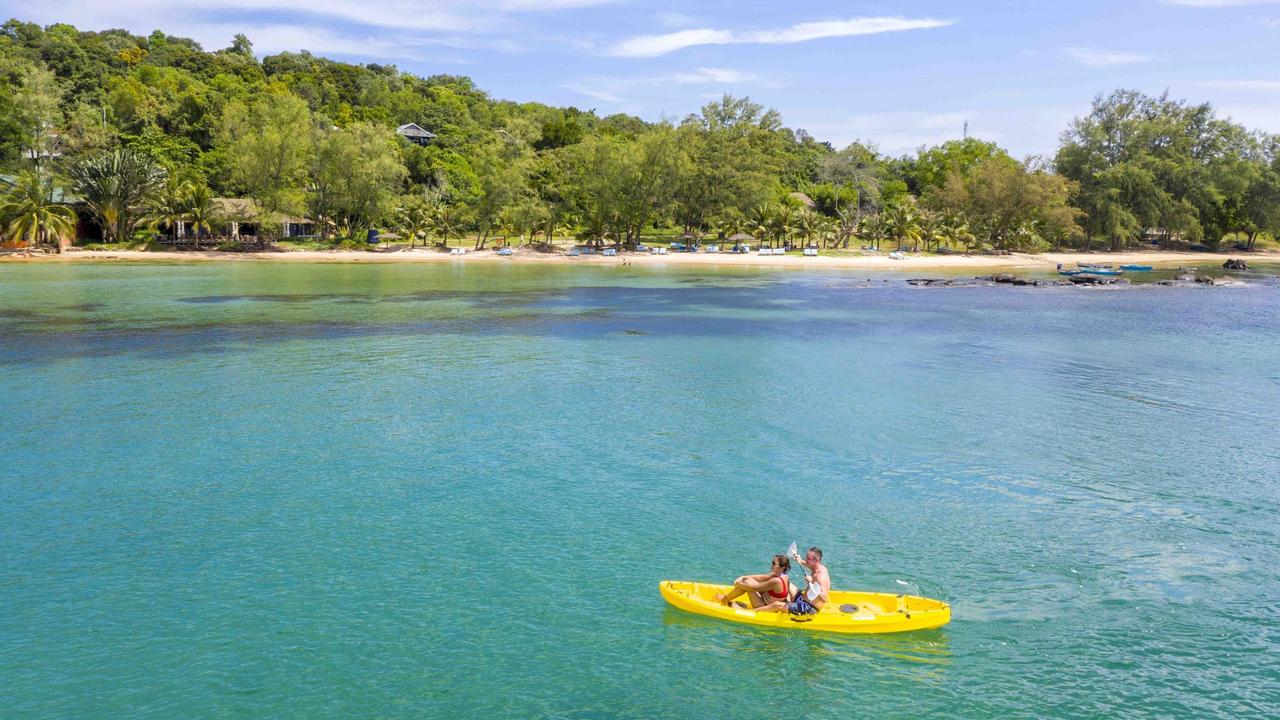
766,592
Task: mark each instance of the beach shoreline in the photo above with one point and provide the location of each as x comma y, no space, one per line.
878,262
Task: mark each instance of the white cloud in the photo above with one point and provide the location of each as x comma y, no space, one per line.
349,18
595,92
721,76
1106,58
616,90
655,45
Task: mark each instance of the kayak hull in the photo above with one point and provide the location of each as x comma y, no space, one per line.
855,613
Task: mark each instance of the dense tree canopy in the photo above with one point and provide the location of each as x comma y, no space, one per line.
153,128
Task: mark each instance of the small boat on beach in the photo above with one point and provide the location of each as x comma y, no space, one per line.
1082,269
1137,268
861,613
1104,273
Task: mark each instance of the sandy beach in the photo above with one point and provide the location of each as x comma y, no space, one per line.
1041,262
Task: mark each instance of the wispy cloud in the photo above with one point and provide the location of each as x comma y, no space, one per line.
720,76
619,90
325,20
655,45
1106,58
595,92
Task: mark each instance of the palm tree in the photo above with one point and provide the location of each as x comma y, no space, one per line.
117,186
170,206
29,214
932,229
809,225
761,222
902,222
414,219
444,222
783,223
731,222
956,232
872,229
201,210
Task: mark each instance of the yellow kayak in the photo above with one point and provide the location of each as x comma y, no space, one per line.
847,612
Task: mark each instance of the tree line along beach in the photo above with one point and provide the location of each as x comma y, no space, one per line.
153,143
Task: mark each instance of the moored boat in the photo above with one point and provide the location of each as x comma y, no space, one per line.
1087,271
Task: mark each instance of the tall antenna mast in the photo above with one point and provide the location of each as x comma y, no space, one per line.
966,129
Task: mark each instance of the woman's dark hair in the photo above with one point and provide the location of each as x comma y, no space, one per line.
782,562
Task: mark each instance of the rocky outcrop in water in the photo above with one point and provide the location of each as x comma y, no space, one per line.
1098,280
1007,279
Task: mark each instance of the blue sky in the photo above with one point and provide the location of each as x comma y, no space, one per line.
893,72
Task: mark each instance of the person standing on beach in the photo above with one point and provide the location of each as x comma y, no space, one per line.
818,592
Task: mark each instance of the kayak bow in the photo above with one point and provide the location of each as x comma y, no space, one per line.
847,612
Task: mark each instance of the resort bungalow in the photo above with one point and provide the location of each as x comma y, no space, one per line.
241,217
804,200
415,134
237,219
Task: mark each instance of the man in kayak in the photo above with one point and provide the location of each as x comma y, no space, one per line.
818,591
765,590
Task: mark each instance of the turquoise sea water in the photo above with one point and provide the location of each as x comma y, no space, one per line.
274,490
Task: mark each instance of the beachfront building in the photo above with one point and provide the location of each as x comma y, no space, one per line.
804,200
415,134
238,219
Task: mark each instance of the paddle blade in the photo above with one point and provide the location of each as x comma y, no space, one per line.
791,549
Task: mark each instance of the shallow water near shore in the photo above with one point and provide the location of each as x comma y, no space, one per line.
263,490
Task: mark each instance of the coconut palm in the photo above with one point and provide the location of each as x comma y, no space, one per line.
783,223
932,229
201,210
414,219
956,232
29,214
871,229
731,222
169,208
117,186
444,222
808,225
760,222
902,222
